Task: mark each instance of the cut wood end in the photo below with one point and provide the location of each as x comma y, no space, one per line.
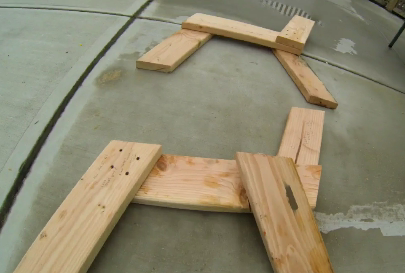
146,65
327,103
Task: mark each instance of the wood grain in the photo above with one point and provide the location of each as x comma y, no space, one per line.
76,232
194,183
206,184
236,30
310,176
296,32
311,87
283,215
302,136
170,53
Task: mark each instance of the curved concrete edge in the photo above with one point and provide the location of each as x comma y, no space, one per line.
23,149
131,10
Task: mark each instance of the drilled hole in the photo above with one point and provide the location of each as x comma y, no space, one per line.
112,166
126,173
138,158
120,150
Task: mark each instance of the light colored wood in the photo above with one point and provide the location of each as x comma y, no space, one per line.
391,5
194,183
206,184
310,176
236,30
296,32
170,53
307,82
303,136
283,215
76,232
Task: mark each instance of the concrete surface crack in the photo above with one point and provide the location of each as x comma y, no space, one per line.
64,9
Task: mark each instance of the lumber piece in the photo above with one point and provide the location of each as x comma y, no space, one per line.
302,136
310,176
296,32
206,184
391,4
236,30
174,50
76,232
285,220
194,183
313,90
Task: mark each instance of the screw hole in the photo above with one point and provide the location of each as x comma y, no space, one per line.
112,166
138,158
126,173
120,150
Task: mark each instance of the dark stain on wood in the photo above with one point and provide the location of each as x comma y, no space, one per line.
43,235
243,197
161,165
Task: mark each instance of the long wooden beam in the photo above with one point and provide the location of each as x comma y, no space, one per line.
236,30
78,229
285,220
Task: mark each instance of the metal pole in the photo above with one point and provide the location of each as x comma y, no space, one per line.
397,35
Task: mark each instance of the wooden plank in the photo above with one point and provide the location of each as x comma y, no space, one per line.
76,232
170,53
283,215
194,183
307,82
236,30
303,136
310,176
391,5
206,184
296,32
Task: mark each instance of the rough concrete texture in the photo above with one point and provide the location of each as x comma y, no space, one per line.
124,7
212,106
42,58
361,49
229,96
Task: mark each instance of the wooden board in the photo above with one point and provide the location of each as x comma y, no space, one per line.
283,215
310,176
206,184
307,82
296,32
76,232
391,4
170,53
194,183
236,30
303,136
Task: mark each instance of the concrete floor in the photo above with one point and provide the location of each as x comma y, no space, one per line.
212,106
